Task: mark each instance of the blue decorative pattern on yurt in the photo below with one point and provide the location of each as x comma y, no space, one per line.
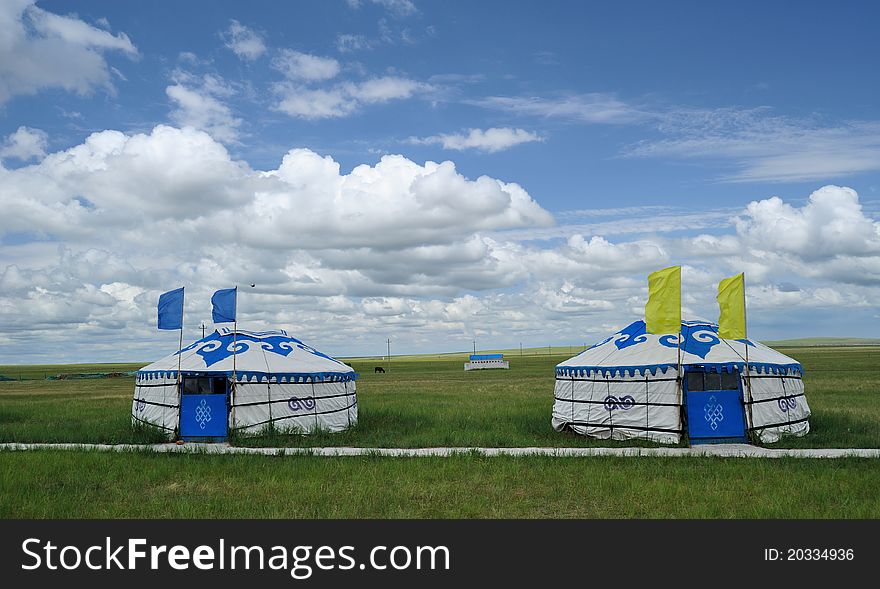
219,346
253,376
699,337
632,371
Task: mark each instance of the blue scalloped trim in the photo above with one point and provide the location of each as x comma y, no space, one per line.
631,371
252,376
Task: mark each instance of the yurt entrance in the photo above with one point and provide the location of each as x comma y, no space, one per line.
714,403
204,408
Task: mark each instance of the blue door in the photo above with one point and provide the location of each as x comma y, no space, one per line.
714,407
203,409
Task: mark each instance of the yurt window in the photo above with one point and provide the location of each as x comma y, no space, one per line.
203,385
729,381
712,381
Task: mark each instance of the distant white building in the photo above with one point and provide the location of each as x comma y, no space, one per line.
483,361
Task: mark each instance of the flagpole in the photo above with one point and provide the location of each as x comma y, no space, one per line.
680,378
179,347
180,343
234,340
748,375
679,375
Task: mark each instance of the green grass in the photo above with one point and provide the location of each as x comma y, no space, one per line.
54,484
823,341
43,371
431,401
842,386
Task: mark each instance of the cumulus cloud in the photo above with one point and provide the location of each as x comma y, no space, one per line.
489,140
311,88
42,50
415,251
198,103
181,184
343,99
245,42
383,89
24,144
305,66
831,224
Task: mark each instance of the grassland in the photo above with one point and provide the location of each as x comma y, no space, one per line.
139,485
823,341
430,401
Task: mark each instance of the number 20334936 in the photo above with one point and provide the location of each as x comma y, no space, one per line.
783,554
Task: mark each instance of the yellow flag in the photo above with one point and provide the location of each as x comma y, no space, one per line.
663,311
732,301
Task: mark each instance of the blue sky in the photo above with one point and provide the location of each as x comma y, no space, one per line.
432,172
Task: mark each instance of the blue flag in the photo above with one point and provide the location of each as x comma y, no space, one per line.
223,305
171,309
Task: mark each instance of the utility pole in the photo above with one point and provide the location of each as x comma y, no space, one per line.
389,353
203,330
475,347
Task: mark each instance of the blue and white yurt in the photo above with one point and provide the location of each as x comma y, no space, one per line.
627,386
277,380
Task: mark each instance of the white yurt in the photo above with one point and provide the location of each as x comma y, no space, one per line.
627,386
271,378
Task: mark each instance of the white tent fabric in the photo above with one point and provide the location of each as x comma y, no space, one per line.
278,380
626,386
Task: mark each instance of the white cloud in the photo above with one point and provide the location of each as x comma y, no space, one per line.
347,43
398,8
42,50
758,145
24,144
306,203
586,108
307,103
383,89
198,104
489,140
305,66
831,224
412,251
245,42
343,99
76,32
765,147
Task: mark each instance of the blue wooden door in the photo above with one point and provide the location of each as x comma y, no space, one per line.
714,407
203,408
202,416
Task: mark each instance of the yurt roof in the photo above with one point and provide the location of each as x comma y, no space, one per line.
259,356
631,350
